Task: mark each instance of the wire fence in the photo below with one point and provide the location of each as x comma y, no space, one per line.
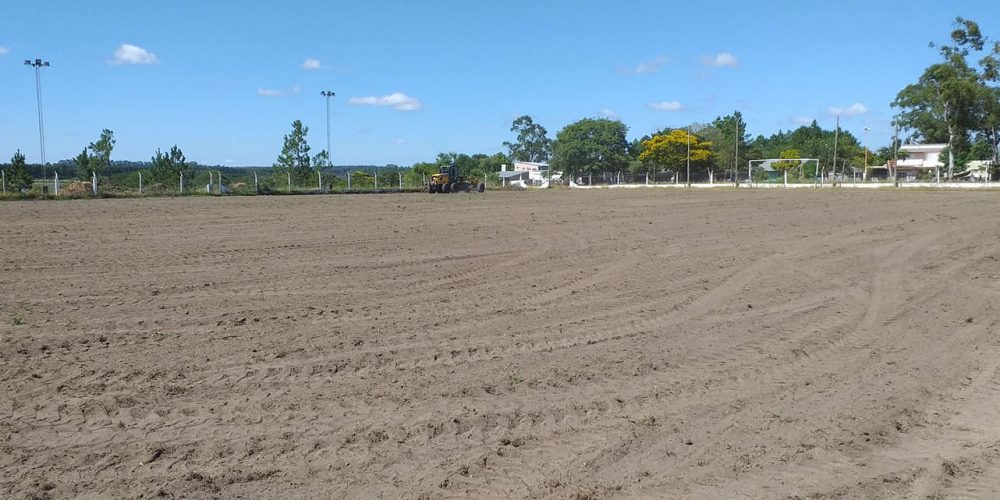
137,183
759,176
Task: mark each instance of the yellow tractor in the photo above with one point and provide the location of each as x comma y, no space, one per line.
447,180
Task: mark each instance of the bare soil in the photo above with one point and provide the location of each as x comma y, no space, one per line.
531,345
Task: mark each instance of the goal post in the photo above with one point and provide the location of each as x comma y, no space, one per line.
776,169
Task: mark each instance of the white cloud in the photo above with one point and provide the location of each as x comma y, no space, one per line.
802,120
852,110
397,100
296,88
651,66
269,92
607,113
721,60
4,50
311,64
665,106
399,141
131,54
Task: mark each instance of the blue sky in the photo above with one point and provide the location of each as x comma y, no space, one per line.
225,79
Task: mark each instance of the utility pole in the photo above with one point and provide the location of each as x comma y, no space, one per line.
38,64
836,137
867,129
328,94
689,157
736,159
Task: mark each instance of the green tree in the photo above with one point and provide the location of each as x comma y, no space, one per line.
811,141
361,179
591,145
84,171
322,160
951,99
294,158
729,144
532,143
100,160
167,168
670,151
425,168
18,178
785,166
990,129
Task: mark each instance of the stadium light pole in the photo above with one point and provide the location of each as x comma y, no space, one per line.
38,64
867,129
328,94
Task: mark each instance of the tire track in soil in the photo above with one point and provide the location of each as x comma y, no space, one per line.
635,344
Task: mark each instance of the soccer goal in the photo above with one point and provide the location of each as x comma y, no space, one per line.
777,169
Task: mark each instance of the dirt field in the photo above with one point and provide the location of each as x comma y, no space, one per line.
552,344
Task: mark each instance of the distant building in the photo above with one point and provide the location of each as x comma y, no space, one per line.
977,170
537,172
507,177
920,158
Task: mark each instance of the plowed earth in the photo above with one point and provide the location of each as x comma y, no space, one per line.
542,344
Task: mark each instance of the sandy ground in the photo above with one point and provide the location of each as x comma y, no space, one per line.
557,344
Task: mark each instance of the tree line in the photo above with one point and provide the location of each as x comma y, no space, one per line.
955,102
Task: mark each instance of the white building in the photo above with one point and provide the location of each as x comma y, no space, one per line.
920,158
538,173
978,170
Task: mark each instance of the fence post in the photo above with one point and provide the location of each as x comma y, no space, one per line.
219,174
401,180
182,183
376,180
289,174
93,184
3,173
320,173
349,180
140,183
209,182
57,184
256,188
786,178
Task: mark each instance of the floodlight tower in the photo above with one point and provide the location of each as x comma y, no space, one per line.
328,94
867,129
38,64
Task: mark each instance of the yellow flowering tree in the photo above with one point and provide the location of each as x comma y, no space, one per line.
669,151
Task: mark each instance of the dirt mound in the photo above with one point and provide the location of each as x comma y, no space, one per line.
76,188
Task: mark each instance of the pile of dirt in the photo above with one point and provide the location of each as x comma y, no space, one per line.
76,188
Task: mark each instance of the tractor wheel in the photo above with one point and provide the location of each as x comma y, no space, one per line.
446,188
455,187
482,187
432,188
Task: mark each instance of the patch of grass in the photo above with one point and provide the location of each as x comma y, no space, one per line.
16,319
